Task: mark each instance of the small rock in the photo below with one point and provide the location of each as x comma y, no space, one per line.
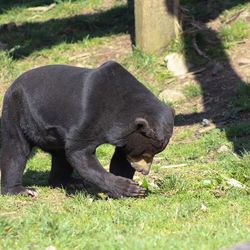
223,149
50,248
234,183
217,68
120,237
171,95
206,122
242,246
176,63
203,207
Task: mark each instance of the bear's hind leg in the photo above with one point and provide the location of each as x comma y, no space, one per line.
61,170
14,154
120,166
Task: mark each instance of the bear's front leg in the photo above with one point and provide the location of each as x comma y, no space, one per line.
90,169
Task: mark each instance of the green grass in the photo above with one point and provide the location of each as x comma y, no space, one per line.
192,90
148,69
186,206
190,206
235,32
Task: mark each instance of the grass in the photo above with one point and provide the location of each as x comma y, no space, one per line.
148,69
186,206
192,90
242,98
189,206
236,32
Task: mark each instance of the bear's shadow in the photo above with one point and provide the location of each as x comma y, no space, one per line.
40,179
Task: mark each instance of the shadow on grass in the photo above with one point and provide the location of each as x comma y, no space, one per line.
9,4
40,179
34,36
218,89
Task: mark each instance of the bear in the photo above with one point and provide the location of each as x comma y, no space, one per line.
69,111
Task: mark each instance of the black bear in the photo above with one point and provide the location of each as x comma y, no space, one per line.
69,111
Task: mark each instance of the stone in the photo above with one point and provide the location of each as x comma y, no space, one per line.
203,207
50,248
234,183
242,246
176,63
206,122
223,149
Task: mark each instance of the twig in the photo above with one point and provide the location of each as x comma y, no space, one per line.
199,26
184,9
174,166
234,17
189,74
201,53
170,81
78,56
244,65
42,8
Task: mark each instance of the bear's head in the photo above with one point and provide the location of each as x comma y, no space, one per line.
149,137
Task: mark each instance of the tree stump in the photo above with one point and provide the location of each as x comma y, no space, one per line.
156,23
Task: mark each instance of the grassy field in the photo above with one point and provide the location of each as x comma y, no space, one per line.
199,186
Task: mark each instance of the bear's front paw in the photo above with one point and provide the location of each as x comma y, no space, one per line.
124,187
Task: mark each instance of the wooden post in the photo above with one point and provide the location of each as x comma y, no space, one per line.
156,23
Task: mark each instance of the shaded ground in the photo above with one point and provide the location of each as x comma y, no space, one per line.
212,43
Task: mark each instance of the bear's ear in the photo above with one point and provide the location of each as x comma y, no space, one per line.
143,127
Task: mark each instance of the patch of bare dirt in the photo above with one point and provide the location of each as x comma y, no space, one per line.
114,49
240,60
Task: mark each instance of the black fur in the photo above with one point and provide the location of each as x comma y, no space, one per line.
68,112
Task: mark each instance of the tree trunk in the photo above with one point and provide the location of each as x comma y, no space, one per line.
156,23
